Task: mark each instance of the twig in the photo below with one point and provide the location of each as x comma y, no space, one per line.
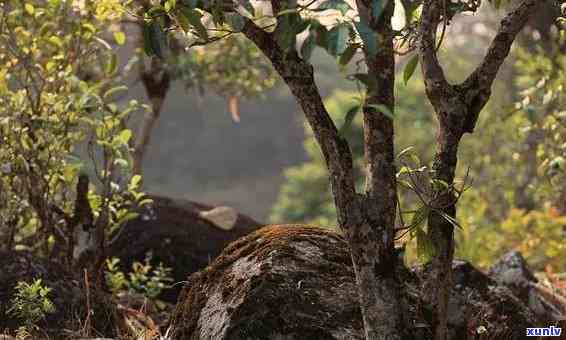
86,327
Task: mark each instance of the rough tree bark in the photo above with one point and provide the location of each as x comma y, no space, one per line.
366,219
457,108
380,201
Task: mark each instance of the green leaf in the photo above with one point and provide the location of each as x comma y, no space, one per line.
425,247
285,38
49,26
145,201
156,12
348,54
288,26
420,216
183,22
29,8
350,115
235,21
248,7
383,109
377,7
55,40
190,3
120,37
557,162
193,16
218,13
54,3
112,65
123,137
121,162
402,171
337,39
169,5
410,8
88,26
135,181
339,5
320,33
127,217
114,90
368,36
405,151
410,68
155,40
308,47
367,80
450,219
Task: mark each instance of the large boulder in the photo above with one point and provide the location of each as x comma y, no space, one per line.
184,235
68,296
513,271
479,308
297,282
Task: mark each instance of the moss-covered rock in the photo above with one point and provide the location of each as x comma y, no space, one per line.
297,282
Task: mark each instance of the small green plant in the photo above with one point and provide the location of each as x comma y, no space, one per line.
144,278
30,304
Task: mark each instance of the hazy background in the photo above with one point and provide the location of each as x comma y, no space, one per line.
198,152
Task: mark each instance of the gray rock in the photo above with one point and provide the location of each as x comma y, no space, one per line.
297,282
512,271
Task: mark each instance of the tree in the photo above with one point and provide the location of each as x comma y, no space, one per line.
538,135
223,67
457,108
368,219
305,195
57,92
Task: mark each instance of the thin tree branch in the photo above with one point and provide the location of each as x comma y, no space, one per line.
298,74
433,73
477,86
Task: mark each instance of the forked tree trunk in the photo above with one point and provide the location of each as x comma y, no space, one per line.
457,108
367,220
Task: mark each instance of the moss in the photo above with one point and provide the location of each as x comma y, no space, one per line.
257,246
297,282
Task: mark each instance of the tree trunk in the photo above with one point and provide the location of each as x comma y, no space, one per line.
156,82
441,232
83,249
368,232
380,201
457,108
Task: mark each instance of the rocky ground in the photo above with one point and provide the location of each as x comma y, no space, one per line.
277,282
